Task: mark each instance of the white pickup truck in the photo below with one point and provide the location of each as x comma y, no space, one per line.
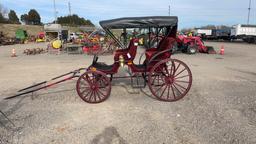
244,32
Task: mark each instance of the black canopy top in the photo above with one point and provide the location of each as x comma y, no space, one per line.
139,22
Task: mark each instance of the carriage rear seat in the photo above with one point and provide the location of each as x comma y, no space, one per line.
165,44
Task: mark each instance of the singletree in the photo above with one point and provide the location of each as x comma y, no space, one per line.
13,17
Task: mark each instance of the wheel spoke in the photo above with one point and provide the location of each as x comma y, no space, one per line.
98,95
180,86
180,72
101,92
175,69
154,79
84,87
160,87
83,83
163,91
168,91
90,95
94,95
182,77
177,89
87,78
181,81
174,96
172,70
87,94
158,79
82,93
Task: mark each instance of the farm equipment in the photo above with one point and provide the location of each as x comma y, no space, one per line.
168,79
97,42
34,51
6,40
40,37
192,44
21,35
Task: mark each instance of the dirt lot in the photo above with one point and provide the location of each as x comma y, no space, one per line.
220,107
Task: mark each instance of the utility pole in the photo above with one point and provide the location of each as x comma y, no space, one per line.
249,12
55,12
169,9
69,8
169,12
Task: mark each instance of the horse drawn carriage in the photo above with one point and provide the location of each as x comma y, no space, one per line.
168,79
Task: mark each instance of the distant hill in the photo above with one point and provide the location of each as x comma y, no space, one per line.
10,29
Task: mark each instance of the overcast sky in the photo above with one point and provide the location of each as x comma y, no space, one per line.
191,13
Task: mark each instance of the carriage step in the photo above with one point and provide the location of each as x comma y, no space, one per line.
137,81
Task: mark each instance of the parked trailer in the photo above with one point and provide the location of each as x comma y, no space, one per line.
56,31
245,32
204,33
221,34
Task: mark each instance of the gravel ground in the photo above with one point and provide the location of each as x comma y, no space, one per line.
220,107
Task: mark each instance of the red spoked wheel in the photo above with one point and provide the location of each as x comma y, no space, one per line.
93,86
170,80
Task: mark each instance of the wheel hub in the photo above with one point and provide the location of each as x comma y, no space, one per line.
169,80
94,87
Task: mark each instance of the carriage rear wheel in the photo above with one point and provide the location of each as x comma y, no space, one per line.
170,80
93,86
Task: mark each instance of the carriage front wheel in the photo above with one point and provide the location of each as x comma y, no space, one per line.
170,80
93,86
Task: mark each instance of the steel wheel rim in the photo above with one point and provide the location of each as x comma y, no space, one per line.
170,82
93,87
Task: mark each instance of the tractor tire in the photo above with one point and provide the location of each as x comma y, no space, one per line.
191,49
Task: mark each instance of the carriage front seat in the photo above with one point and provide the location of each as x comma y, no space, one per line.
130,52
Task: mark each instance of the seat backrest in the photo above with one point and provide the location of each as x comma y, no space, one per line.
165,43
132,48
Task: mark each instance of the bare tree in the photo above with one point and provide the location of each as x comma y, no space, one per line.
4,11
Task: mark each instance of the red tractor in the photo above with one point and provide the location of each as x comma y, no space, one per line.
192,44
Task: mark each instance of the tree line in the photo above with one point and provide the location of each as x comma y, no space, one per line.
34,18
73,20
